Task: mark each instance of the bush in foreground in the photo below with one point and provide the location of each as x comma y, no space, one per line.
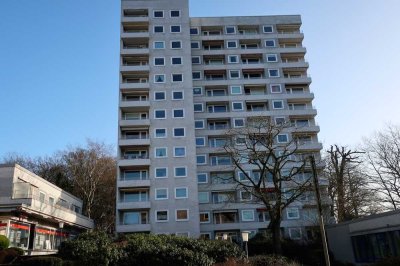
271,260
390,261
4,242
166,250
43,261
90,248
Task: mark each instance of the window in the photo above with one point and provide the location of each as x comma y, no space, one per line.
179,151
245,195
234,74
237,106
182,215
176,60
180,171
204,217
280,120
198,107
200,141
161,172
134,218
160,152
177,77
243,176
278,104
282,138
295,233
175,29
270,43
160,133
195,45
162,216
159,78
201,159
181,193
236,90
159,95
267,29
51,201
202,178
177,95
292,213
176,44
230,30
159,45
203,197
196,60
273,73
175,13
197,91
196,75
159,61
272,58
231,44
275,88
247,215
178,113
161,193
158,13
134,175
179,132
42,197
233,59
194,31
158,29
159,114
238,122
198,124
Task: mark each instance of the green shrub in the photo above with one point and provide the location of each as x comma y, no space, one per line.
19,251
161,250
390,261
8,255
70,263
42,261
145,250
4,242
271,260
90,248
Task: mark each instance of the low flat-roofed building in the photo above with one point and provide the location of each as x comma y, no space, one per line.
35,214
366,240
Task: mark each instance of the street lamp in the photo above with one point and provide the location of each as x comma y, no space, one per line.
245,239
61,226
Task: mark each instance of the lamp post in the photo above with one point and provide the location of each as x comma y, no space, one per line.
245,239
61,226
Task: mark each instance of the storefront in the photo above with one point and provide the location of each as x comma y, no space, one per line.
31,236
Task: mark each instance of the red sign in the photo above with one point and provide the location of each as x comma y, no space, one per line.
19,226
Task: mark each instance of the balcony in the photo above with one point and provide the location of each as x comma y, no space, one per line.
135,30
31,202
133,183
132,103
135,15
135,63
133,205
133,162
133,142
133,228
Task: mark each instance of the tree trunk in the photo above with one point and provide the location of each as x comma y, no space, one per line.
275,227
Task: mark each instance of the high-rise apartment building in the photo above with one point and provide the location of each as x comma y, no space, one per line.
183,83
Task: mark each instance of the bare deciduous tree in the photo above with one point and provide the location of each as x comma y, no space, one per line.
383,158
263,147
347,185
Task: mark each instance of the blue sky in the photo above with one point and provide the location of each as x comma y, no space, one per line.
59,67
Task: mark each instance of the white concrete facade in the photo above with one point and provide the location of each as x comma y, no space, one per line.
183,83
